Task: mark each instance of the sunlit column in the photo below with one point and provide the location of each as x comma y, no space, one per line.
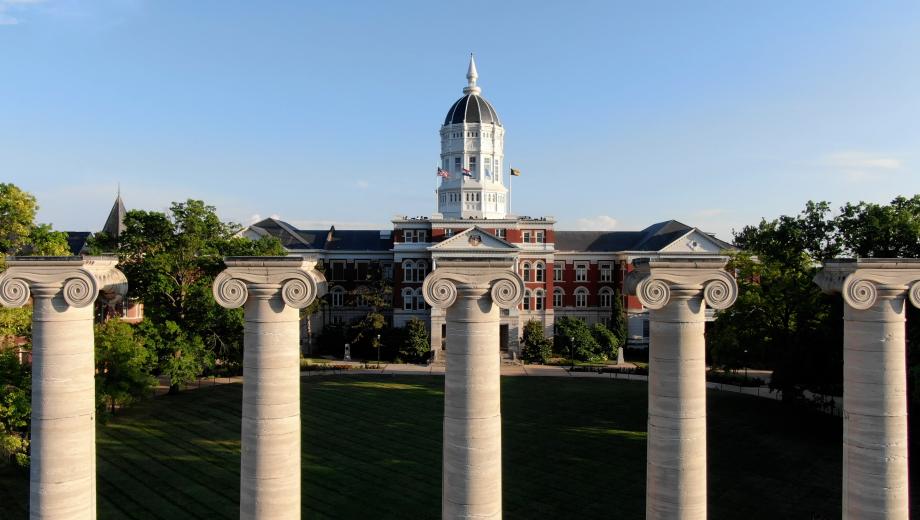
271,290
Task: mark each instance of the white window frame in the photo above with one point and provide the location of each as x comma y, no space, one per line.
605,297
606,272
420,304
332,269
581,271
525,271
558,271
558,297
408,297
581,297
525,237
539,237
539,300
337,298
525,303
539,271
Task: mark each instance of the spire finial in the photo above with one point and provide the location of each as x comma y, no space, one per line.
471,77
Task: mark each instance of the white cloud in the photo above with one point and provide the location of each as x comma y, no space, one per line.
362,184
8,6
596,223
859,166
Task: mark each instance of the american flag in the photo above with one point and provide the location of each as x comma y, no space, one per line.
443,173
466,171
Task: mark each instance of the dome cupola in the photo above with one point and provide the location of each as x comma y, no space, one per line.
472,107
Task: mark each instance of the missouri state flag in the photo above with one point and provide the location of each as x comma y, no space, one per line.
515,172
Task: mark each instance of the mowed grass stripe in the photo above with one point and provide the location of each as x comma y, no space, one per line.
573,448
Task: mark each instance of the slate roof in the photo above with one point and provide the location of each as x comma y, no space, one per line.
471,108
331,239
115,223
653,238
76,241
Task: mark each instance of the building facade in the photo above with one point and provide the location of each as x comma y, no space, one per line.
567,273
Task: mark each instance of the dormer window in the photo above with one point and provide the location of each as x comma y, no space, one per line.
539,237
409,235
526,237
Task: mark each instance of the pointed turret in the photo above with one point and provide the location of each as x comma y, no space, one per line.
471,77
115,223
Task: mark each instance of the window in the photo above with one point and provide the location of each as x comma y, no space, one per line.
581,297
581,272
501,233
525,272
408,297
558,296
408,271
361,271
458,164
387,271
421,236
338,297
421,267
419,300
409,235
606,273
361,297
540,272
539,236
558,270
525,303
606,297
338,270
473,169
645,329
448,233
526,237
539,298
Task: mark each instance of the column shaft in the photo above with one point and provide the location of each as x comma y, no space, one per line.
270,461
875,475
472,479
63,450
676,458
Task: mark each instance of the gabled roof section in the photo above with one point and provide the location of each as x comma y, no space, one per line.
654,238
76,241
291,238
474,239
115,223
657,236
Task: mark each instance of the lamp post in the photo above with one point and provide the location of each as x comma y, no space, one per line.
745,365
572,352
378,351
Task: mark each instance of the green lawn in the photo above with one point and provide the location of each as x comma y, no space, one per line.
573,448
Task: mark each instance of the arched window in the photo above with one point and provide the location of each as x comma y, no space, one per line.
558,297
408,271
419,300
525,271
540,271
338,296
605,295
408,297
525,303
539,299
581,297
421,269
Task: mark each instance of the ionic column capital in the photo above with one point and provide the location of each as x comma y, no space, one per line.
80,279
442,285
295,277
864,281
656,282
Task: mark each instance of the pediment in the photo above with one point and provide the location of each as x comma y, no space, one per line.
695,241
474,239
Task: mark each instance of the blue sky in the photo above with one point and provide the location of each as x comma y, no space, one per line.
619,114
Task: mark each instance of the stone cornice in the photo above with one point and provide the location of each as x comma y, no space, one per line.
441,286
654,281
81,279
862,281
299,282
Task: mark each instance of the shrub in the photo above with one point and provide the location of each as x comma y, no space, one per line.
535,348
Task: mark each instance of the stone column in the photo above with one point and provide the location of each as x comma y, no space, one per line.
472,293
676,292
62,476
271,290
875,476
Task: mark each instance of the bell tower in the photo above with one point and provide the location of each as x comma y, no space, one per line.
472,157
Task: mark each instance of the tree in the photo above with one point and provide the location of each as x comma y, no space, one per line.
172,259
123,364
870,230
618,323
15,408
17,213
595,343
536,347
417,344
43,241
781,318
